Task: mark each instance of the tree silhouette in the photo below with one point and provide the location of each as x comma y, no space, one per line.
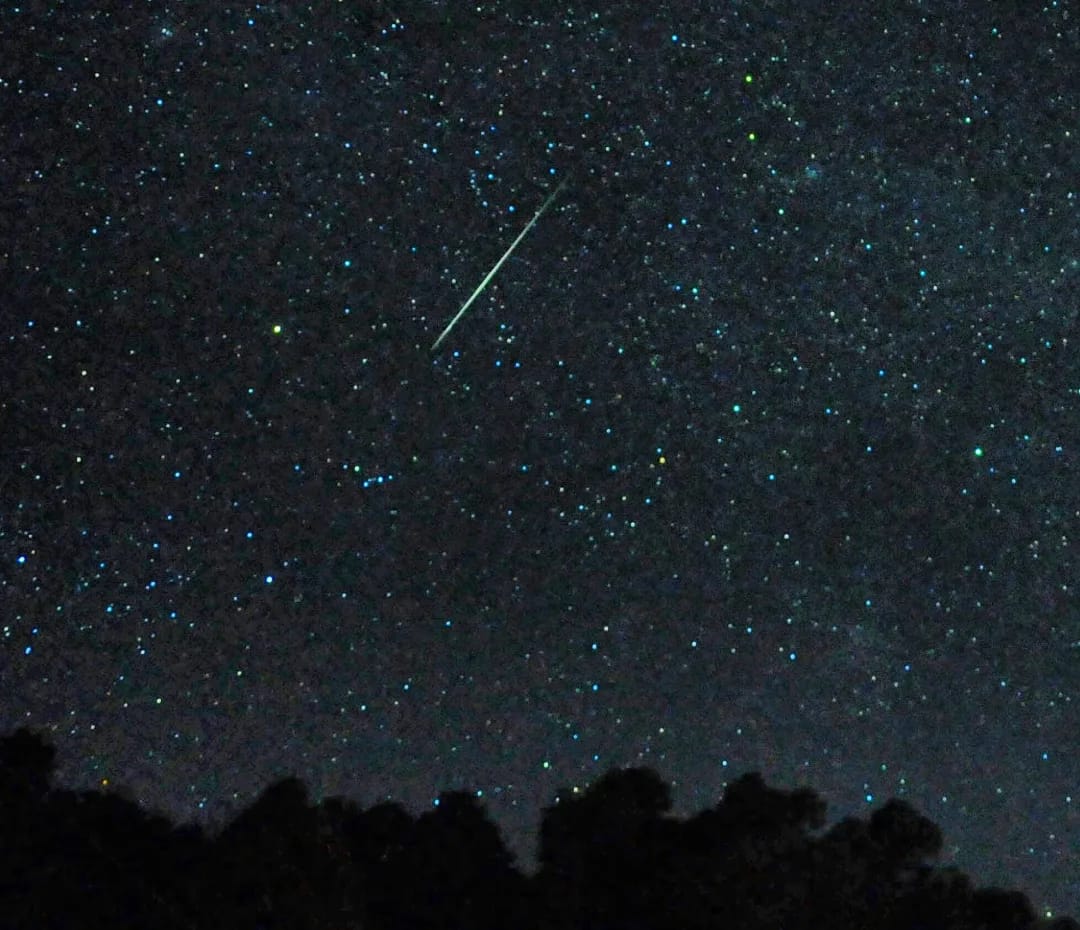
598,850
372,846
998,909
277,868
27,764
612,857
753,850
75,859
902,837
469,878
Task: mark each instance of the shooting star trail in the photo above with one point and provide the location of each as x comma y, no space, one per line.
494,271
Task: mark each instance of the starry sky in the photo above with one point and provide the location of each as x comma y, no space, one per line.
759,452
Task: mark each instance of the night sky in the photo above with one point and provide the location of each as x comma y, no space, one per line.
760,452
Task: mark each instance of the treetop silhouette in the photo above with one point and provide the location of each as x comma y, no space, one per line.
612,857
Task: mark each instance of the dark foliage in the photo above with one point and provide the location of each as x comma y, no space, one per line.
611,858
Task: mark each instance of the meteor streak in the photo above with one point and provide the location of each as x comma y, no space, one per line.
495,270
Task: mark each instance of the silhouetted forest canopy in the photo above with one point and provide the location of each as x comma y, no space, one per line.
611,856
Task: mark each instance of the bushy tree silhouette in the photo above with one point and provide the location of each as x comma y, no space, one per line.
461,873
902,837
86,859
612,857
998,909
379,839
747,858
279,865
596,847
27,764
26,769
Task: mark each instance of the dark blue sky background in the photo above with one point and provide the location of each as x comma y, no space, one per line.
758,453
